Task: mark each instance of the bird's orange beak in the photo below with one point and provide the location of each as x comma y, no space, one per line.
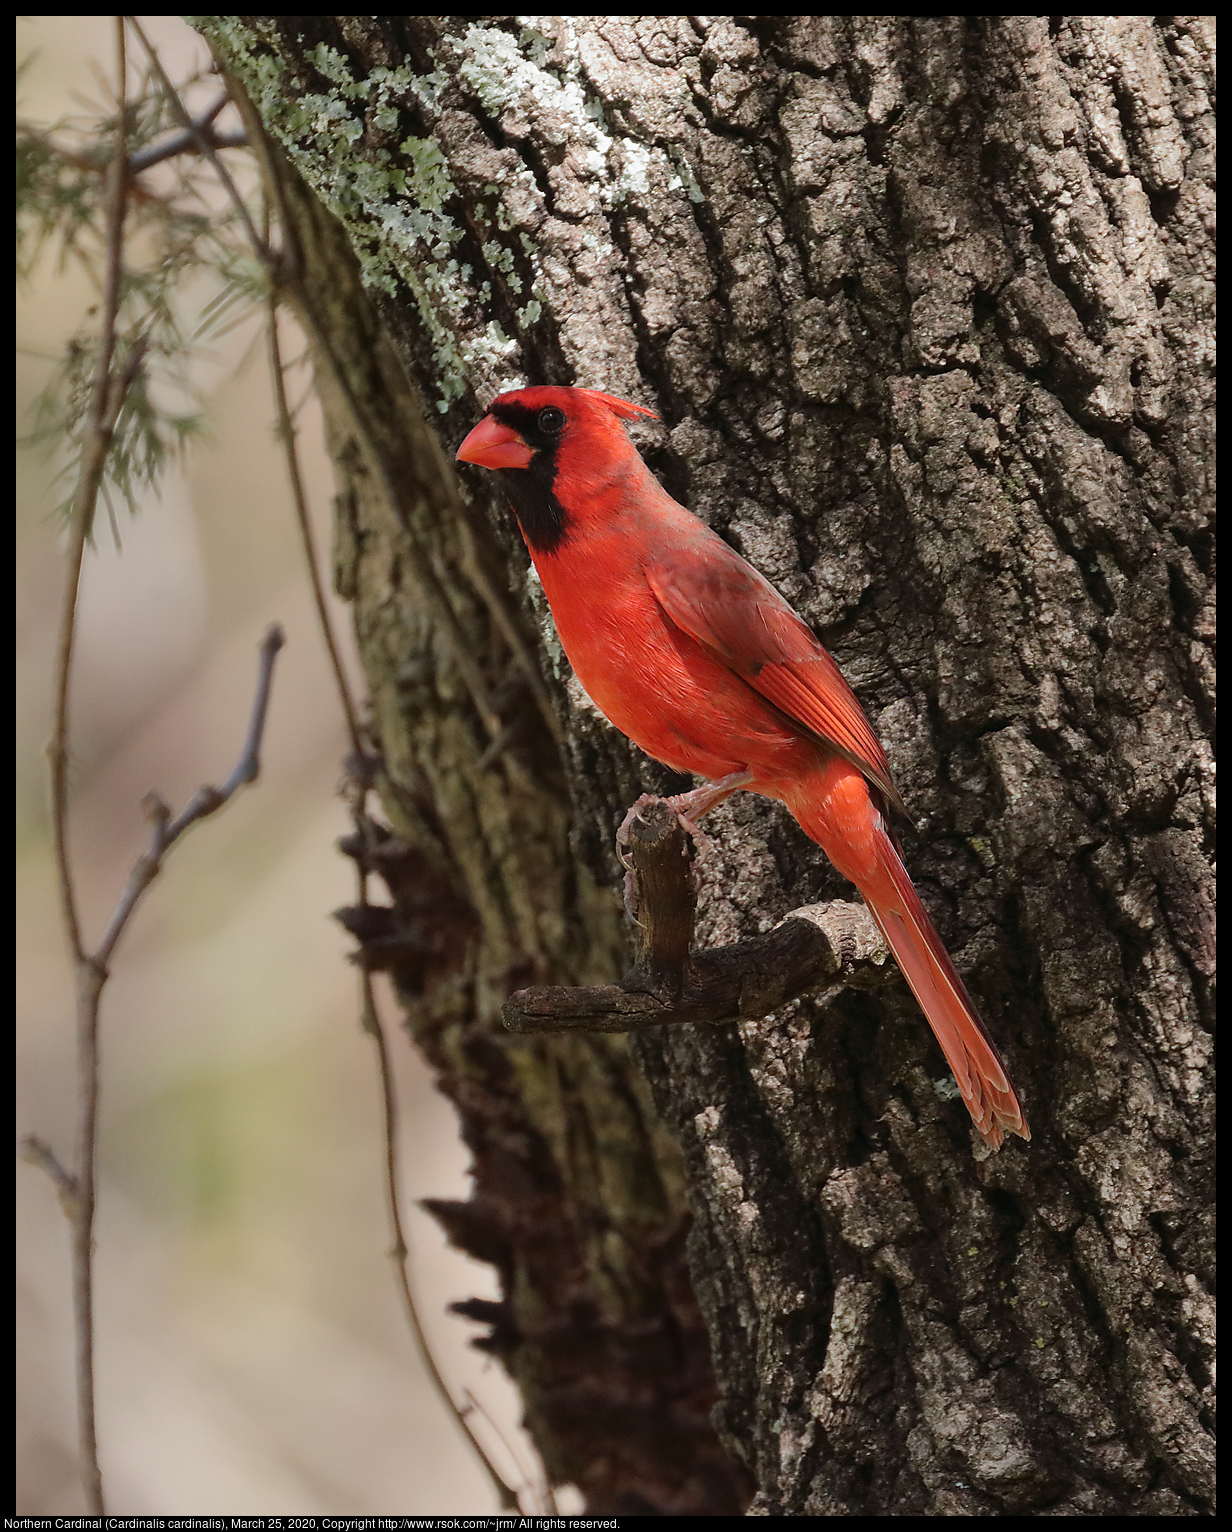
493,445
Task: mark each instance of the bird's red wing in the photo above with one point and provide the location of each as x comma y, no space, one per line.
707,589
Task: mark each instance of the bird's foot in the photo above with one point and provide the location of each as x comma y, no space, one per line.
689,808
632,902
632,892
622,835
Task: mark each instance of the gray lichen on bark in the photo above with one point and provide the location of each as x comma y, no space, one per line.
924,305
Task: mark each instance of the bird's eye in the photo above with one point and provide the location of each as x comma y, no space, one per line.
551,421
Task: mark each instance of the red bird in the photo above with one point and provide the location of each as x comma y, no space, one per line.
699,660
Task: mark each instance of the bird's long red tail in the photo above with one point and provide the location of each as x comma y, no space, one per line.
841,817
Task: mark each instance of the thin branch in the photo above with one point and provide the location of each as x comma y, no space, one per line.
189,138
281,274
93,460
475,1406
204,802
400,1252
185,142
107,397
202,140
284,273
42,1156
141,161
182,141
77,1192
369,1015
287,436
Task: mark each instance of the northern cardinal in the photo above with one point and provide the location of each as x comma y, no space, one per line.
699,660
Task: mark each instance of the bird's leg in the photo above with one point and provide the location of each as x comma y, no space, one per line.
691,806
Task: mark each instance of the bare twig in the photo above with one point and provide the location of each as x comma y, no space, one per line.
179,142
202,139
93,461
35,1151
205,801
474,1406
400,1251
282,274
143,160
77,1192
189,138
286,435
369,1016
812,946
106,399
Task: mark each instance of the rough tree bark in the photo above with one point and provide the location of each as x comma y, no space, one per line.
924,307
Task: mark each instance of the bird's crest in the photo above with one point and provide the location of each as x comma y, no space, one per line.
621,408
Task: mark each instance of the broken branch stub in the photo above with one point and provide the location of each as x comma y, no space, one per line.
664,895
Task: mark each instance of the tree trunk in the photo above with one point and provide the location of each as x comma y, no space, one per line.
924,307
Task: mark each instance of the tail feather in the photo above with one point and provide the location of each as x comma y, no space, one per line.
837,808
978,1070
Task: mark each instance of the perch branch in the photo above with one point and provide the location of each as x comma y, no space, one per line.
815,945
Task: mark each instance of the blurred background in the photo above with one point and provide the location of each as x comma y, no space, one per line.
252,1353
